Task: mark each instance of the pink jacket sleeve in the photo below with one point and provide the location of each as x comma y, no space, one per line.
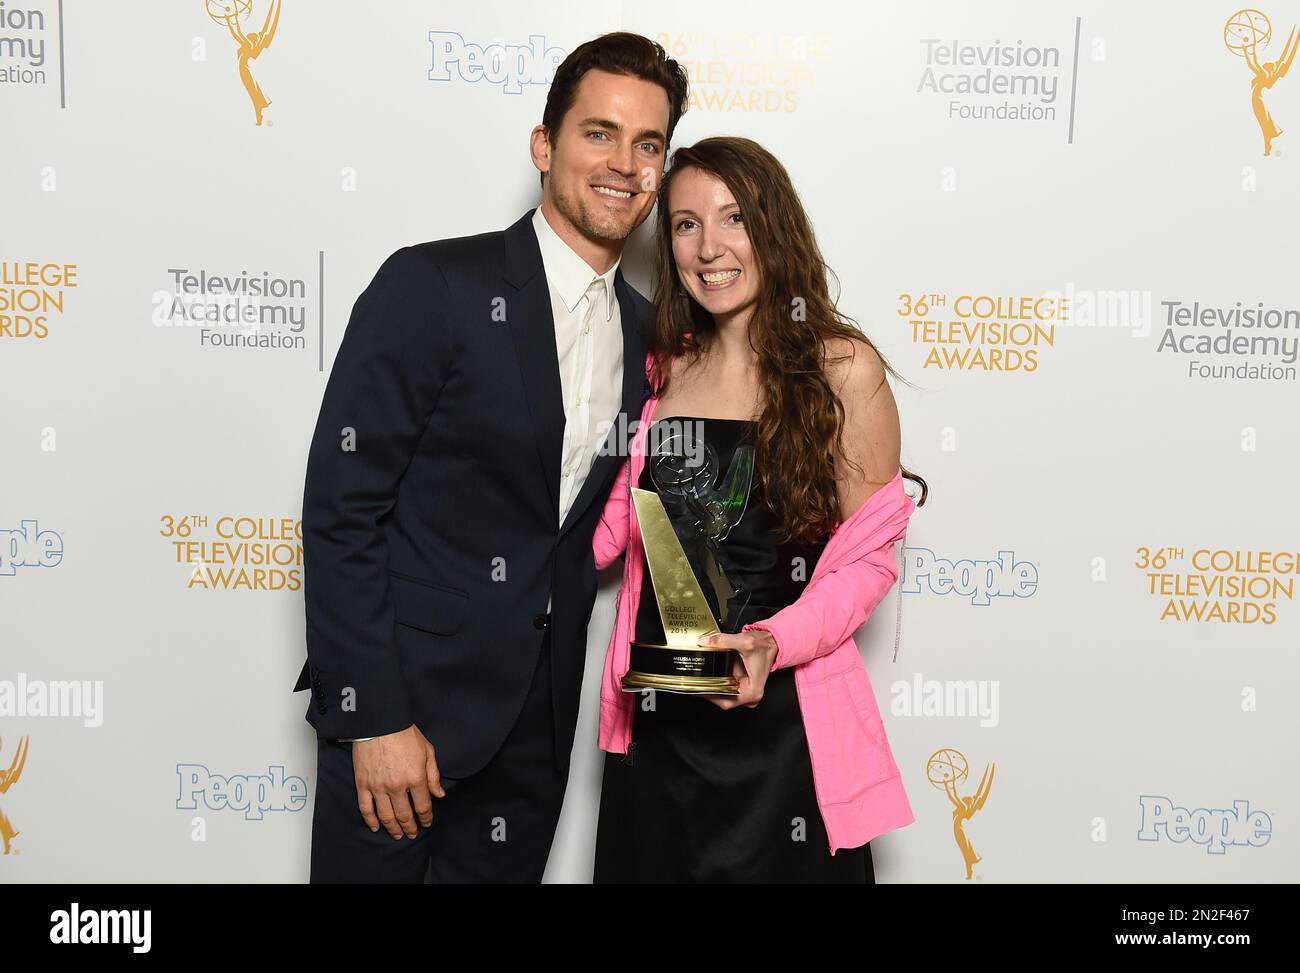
834,605
610,539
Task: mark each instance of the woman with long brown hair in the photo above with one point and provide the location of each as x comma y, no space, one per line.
776,446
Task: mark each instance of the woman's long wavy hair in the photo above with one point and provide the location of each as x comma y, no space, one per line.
801,425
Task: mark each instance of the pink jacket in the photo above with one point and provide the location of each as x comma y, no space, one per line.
859,788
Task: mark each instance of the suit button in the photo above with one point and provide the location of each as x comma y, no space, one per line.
542,620
318,691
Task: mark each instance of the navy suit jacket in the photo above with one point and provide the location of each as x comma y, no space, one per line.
430,528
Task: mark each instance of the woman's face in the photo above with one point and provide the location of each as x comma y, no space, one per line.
715,262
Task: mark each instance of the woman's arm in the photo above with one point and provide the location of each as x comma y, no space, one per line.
831,609
610,538
837,604
871,436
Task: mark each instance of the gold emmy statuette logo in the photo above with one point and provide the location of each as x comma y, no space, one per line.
7,780
230,13
946,769
1245,32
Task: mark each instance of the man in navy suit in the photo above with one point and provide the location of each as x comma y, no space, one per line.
456,474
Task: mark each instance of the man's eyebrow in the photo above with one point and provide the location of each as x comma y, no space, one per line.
605,123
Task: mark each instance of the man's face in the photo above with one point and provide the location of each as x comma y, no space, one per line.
604,163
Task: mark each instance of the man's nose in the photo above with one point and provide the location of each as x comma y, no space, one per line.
622,160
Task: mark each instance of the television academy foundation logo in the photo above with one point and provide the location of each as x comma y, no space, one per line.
31,46
1238,343
249,312
1002,83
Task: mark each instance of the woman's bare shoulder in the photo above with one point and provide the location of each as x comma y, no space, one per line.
853,366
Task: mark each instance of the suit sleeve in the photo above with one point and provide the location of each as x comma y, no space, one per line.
384,385
833,608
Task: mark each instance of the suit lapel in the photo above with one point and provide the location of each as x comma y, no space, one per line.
532,327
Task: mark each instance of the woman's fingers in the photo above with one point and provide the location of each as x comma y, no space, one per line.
755,653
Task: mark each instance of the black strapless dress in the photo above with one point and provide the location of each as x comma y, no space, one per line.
712,795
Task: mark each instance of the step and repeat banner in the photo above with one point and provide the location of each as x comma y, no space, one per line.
1072,227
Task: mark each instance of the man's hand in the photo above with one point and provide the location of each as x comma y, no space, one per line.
386,769
757,651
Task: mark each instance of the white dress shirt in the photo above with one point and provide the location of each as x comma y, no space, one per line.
589,348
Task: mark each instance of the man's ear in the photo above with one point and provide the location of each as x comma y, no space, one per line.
539,146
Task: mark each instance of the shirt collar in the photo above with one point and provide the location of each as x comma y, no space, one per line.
568,273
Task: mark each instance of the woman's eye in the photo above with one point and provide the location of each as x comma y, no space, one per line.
682,224
737,217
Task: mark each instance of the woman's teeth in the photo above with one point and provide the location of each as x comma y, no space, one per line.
721,277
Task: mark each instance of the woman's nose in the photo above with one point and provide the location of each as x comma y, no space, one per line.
710,248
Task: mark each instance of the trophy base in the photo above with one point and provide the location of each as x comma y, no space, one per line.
681,669
714,685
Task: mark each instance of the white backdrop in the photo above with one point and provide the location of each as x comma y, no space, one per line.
1111,497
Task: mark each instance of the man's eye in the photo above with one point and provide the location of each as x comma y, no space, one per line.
650,147
601,134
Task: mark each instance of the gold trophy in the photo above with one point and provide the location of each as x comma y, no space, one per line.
679,664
